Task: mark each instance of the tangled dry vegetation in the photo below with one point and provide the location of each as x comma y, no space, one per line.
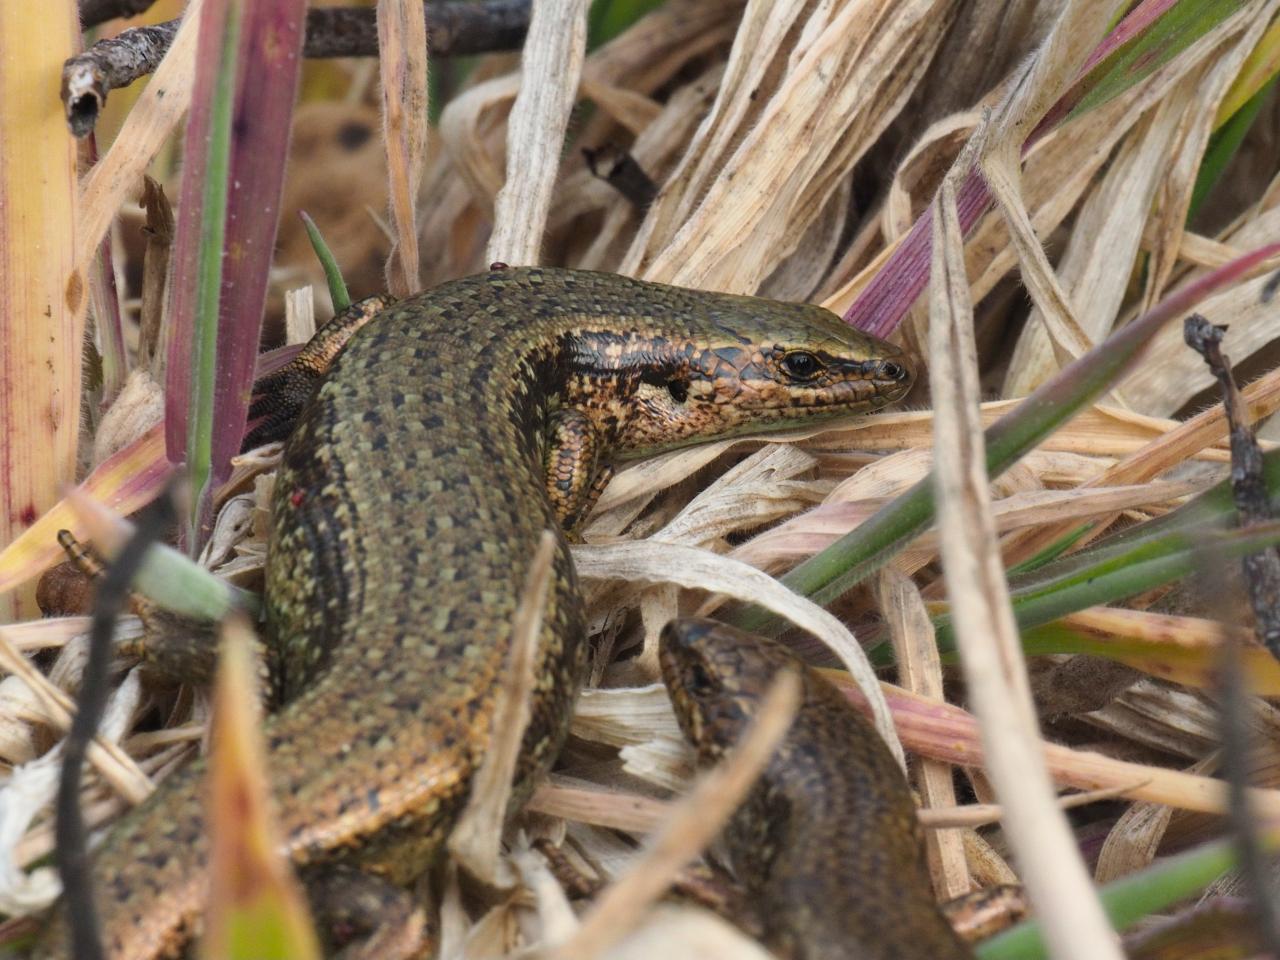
795,143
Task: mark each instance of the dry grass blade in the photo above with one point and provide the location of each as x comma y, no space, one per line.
1132,843
550,67
981,814
920,671
402,51
1079,28
618,811
1074,923
1262,398
693,824
932,728
478,835
30,789
685,933
127,480
1170,375
112,763
851,74
1149,179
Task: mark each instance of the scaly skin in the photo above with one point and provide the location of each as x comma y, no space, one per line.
455,427
827,843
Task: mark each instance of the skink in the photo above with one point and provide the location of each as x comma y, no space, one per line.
827,845
453,429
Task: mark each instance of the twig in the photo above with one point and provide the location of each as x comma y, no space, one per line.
453,29
94,12
1248,483
71,849
109,64
1262,580
1255,865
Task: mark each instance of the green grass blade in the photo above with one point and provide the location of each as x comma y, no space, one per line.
179,584
1127,900
1088,580
197,281
213,227
332,272
1215,508
1223,146
1163,38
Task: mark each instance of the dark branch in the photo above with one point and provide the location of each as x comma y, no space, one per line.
1248,483
94,12
453,29
1262,580
71,847
109,64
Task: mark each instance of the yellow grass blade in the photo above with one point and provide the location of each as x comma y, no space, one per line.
256,908
127,480
42,324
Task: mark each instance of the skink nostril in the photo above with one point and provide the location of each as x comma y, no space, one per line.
893,371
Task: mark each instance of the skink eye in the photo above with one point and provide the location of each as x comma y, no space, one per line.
890,370
801,365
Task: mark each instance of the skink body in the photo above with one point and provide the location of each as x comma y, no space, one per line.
452,430
827,844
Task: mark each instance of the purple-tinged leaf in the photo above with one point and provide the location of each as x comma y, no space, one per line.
246,82
887,298
266,88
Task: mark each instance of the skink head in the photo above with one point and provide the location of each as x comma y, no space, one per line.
750,365
716,676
